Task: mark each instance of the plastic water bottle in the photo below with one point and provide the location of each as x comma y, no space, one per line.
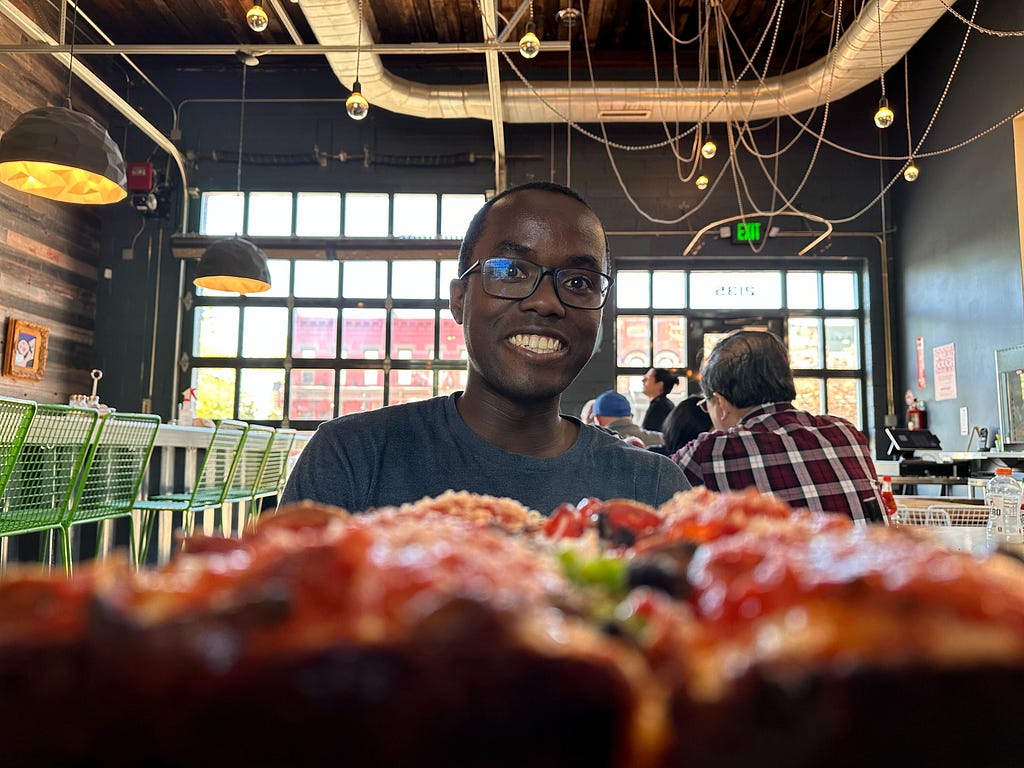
1003,497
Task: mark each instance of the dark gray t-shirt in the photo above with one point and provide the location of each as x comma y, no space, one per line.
405,452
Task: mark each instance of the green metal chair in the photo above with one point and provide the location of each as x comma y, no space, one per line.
209,491
15,418
113,474
275,470
45,472
251,462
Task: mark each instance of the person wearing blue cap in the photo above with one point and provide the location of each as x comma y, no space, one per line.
613,411
534,275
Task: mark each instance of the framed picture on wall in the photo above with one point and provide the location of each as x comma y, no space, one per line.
25,353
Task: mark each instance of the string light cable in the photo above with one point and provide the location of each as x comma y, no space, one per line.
624,147
978,28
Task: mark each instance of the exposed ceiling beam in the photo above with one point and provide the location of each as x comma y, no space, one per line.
489,18
286,49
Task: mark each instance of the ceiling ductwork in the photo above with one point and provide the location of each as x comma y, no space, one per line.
854,62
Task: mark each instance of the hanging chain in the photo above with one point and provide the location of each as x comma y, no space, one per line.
241,132
359,38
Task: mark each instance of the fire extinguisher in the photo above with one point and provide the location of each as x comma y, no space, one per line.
917,416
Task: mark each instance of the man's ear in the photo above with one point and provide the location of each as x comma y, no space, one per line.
457,299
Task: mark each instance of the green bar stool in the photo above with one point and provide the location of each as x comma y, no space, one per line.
15,418
208,492
275,469
113,473
251,463
42,480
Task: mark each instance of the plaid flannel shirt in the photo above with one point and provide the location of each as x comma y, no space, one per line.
818,462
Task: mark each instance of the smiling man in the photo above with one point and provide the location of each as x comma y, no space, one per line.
534,275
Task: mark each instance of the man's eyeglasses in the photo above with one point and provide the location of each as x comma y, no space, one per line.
576,287
703,403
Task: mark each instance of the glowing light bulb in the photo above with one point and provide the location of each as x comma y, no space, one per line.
702,182
884,116
709,149
911,172
257,17
356,105
529,44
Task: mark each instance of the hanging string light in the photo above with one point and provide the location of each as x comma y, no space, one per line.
709,148
257,17
884,114
702,182
356,105
911,171
529,43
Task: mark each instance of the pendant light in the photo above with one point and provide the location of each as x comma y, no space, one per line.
60,154
356,104
234,264
529,43
884,114
256,17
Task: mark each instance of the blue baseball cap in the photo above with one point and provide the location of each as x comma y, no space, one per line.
611,403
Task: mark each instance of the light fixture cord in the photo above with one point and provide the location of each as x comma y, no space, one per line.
359,38
71,61
568,105
881,57
241,132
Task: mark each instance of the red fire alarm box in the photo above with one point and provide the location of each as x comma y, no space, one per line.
140,177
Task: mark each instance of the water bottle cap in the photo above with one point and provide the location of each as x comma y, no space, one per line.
1004,471
886,479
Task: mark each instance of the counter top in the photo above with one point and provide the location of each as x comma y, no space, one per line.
180,436
999,458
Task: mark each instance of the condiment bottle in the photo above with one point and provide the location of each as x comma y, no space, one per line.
887,497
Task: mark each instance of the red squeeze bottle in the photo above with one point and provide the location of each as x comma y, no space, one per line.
887,498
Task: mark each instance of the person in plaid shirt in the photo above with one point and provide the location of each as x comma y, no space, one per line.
760,440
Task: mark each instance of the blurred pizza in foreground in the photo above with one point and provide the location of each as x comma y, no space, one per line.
464,630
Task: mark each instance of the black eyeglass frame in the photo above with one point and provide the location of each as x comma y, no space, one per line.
553,271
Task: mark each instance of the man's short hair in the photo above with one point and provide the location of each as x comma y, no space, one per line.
749,368
476,225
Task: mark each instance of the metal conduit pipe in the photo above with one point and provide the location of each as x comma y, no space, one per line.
854,62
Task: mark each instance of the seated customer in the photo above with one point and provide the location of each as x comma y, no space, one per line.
533,279
613,411
684,422
761,440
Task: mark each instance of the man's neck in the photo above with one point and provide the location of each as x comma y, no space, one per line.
527,428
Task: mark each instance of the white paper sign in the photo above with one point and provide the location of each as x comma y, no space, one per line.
944,364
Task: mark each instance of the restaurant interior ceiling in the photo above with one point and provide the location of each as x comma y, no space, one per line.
694,66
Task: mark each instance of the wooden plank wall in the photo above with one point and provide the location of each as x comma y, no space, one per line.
49,251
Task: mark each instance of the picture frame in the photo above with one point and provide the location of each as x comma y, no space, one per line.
25,353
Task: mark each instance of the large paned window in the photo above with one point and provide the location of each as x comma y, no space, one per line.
330,337
672,318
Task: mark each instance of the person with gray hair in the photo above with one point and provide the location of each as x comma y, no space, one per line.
761,440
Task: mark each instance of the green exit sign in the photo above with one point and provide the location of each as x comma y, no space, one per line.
748,232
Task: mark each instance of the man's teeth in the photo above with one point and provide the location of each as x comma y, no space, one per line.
535,343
